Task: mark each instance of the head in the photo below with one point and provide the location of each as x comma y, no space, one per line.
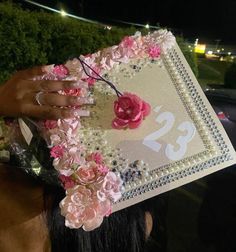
125,230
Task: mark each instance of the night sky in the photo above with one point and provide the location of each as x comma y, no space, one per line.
207,20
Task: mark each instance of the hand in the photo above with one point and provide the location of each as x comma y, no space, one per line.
22,96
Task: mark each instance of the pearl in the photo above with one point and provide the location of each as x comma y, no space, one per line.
127,187
214,153
133,184
139,182
123,189
144,180
146,174
181,166
197,159
155,176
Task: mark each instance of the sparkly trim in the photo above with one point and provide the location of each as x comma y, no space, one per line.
208,130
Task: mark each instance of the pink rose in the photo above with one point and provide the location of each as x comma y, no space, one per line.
96,157
127,42
55,139
68,124
103,169
70,160
82,208
50,124
60,71
133,47
111,188
67,181
91,80
89,174
130,111
57,151
154,51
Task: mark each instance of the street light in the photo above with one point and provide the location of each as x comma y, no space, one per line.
63,13
147,26
108,27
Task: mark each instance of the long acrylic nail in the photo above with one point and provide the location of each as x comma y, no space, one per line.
81,113
72,78
79,84
48,68
85,100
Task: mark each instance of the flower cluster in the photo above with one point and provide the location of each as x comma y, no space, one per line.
131,47
90,192
90,186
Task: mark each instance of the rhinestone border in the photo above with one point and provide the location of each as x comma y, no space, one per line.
166,174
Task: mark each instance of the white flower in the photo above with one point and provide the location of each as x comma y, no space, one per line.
165,39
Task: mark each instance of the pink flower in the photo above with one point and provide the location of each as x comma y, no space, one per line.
221,115
60,71
68,124
111,188
89,174
103,169
55,139
82,208
130,111
91,80
127,42
50,124
70,161
57,151
110,56
67,181
154,51
96,157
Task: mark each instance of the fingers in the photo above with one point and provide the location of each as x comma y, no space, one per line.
54,99
51,99
53,86
32,72
49,112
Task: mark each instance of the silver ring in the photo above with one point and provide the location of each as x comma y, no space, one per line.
37,98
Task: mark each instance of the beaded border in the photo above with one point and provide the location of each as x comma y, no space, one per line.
197,110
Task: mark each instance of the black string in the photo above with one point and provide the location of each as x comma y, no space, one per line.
118,93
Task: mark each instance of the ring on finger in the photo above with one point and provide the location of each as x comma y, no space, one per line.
37,97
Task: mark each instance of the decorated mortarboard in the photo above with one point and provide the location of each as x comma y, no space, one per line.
151,129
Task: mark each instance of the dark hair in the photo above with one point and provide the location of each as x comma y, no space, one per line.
124,230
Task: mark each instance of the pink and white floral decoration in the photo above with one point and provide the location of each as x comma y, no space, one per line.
91,187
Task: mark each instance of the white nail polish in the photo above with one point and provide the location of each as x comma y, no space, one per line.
87,100
72,78
81,113
48,68
79,84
